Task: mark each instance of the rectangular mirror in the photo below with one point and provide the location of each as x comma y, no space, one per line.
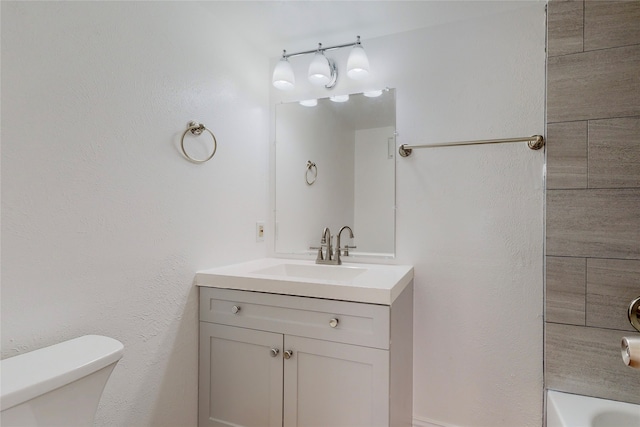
335,166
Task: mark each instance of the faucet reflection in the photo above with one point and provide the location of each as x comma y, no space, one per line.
346,247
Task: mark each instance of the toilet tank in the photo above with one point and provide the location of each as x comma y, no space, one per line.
59,385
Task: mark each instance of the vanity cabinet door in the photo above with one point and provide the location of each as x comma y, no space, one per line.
240,377
335,384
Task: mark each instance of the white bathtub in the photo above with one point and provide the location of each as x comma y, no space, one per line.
572,410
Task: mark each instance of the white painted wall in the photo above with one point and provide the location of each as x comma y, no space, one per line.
374,194
104,223
470,219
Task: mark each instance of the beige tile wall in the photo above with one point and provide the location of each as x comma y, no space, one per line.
593,195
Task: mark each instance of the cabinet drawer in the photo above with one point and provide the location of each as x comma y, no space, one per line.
357,323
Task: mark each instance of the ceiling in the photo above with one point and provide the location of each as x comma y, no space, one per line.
271,26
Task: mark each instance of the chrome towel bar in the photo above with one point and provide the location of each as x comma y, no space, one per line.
535,142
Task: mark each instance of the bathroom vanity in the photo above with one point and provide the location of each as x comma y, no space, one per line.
290,343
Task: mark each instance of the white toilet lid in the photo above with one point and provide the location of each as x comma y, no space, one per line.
32,374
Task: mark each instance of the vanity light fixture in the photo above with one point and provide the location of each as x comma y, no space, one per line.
358,63
339,98
283,77
309,102
322,70
372,93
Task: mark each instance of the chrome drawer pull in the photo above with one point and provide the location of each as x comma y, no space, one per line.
334,323
288,354
235,309
274,352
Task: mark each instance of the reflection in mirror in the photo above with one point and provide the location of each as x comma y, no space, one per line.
335,166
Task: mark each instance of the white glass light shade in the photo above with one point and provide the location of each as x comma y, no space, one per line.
319,70
283,77
357,64
309,102
339,98
373,93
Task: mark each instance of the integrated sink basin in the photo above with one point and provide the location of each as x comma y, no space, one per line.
319,272
368,283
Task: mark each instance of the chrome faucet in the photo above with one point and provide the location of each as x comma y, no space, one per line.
331,255
325,242
346,248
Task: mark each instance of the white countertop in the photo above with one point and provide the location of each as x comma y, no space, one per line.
367,283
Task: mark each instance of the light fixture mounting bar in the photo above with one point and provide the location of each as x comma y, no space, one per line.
321,49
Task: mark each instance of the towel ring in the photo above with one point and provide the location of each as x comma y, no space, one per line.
311,167
197,129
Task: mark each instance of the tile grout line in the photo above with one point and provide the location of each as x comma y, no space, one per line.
583,22
586,280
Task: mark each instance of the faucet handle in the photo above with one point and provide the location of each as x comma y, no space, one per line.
346,249
319,257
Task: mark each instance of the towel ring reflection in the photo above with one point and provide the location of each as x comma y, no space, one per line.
197,129
311,167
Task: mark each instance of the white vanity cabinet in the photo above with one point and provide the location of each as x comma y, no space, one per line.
282,360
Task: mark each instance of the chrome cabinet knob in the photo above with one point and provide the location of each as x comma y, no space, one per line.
274,352
235,309
288,354
334,323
